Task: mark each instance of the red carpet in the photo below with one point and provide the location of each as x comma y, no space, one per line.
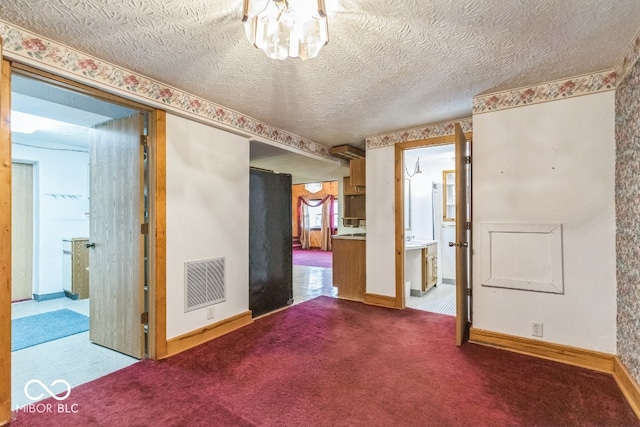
329,362
313,258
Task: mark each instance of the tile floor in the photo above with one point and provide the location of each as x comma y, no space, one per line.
439,299
73,358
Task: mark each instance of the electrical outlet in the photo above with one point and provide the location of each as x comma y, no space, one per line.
211,312
536,329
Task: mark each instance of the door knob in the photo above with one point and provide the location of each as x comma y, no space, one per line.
90,245
459,244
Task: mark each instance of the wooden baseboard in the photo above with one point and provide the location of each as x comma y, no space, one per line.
589,359
380,300
627,385
191,339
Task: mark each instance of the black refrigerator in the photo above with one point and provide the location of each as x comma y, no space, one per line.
270,245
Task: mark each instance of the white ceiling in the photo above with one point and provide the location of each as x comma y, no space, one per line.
389,65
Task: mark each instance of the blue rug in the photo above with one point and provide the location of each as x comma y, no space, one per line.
33,330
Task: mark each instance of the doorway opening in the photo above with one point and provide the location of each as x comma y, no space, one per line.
314,212
79,193
457,204
429,224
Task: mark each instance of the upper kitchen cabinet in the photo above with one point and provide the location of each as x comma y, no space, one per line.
358,172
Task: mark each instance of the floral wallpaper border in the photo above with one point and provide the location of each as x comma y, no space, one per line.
415,134
630,58
46,54
550,91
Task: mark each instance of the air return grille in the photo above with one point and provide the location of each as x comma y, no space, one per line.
204,283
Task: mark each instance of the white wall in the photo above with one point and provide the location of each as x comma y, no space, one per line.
207,216
551,163
59,173
381,273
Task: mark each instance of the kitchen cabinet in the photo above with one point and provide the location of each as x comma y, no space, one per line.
349,268
355,204
357,168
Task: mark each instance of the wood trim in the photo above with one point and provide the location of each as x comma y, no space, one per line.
200,336
439,140
157,338
5,242
158,224
381,300
399,211
589,359
34,73
399,203
627,384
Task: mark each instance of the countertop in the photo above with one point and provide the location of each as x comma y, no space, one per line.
353,236
417,244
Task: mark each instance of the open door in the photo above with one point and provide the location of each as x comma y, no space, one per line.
116,276
463,234
21,231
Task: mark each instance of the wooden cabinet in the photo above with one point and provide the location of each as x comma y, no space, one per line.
349,189
358,172
421,268
355,205
431,266
349,271
76,268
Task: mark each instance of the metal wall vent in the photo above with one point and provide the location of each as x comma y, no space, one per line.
204,283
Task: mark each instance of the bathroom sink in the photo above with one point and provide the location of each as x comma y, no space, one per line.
411,244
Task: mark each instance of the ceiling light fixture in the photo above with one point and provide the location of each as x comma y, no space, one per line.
286,28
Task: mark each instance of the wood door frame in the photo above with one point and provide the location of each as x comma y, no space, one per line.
157,337
399,203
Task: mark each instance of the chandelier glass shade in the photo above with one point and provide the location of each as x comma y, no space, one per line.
286,28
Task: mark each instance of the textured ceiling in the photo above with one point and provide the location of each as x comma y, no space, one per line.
389,65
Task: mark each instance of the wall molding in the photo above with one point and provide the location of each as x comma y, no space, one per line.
418,133
629,59
590,359
628,386
380,300
550,91
200,336
43,53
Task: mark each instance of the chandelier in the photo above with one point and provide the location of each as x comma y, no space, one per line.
286,28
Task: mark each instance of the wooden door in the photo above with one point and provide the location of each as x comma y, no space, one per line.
463,236
116,274
21,231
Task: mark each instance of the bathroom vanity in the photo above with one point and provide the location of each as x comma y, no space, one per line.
421,266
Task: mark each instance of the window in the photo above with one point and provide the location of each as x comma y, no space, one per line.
315,214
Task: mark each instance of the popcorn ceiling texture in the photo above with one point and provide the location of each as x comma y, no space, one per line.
389,65
628,219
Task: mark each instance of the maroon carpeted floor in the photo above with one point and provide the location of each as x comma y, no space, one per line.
313,258
329,362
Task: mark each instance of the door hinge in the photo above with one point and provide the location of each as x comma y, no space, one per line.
144,228
144,318
468,226
467,160
144,140
469,291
